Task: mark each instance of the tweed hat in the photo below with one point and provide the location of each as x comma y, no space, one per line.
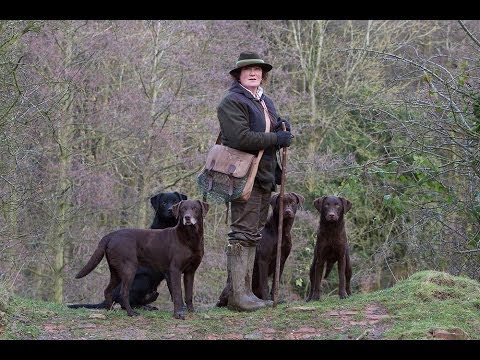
250,58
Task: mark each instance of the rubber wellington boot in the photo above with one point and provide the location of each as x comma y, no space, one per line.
223,298
248,278
237,264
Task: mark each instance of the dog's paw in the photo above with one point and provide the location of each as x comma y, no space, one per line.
179,315
222,301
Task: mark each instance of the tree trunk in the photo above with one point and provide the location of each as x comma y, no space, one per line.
64,139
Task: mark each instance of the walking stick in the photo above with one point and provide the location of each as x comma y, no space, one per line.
280,223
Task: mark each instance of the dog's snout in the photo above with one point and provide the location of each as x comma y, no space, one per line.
289,212
188,219
331,216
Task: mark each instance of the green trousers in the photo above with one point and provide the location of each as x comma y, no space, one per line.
248,218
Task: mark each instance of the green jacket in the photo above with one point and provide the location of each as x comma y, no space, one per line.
242,123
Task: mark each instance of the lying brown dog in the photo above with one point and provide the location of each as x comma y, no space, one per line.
266,255
331,246
174,251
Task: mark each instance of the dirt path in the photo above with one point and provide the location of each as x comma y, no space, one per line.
370,323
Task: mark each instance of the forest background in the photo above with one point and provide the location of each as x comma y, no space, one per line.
98,116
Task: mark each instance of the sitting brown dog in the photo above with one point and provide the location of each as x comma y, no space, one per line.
174,251
331,246
266,254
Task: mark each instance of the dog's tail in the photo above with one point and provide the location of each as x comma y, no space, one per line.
95,259
88,306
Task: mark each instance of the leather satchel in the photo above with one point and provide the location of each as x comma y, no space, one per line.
228,174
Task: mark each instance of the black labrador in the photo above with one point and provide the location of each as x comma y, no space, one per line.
163,203
145,283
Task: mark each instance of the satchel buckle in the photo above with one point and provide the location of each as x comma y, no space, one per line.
231,169
209,175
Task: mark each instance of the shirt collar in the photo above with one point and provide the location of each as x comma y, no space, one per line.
258,94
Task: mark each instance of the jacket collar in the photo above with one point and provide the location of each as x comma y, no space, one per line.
239,88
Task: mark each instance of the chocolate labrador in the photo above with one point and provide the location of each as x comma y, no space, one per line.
266,254
176,251
144,287
331,246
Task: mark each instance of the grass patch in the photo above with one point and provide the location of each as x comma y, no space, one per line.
415,308
432,300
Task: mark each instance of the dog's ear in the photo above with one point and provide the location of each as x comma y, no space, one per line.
176,208
273,200
204,206
300,199
180,196
155,200
318,203
347,205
